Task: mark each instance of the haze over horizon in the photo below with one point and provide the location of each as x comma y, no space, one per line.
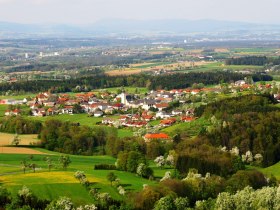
89,11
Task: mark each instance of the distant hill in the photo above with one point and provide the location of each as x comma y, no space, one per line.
119,26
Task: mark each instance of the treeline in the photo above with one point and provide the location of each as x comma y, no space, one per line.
141,80
250,123
237,105
73,139
253,60
251,131
205,158
248,60
193,188
20,125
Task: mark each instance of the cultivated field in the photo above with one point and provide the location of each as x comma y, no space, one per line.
150,67
6,140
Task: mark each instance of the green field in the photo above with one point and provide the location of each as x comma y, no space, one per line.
83,119
141,90
152,65
192,128
51,185
18,97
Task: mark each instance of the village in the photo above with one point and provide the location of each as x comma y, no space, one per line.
165,107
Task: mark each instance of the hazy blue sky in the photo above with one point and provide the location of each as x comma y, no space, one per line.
89,11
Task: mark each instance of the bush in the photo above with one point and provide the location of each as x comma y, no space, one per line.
105,167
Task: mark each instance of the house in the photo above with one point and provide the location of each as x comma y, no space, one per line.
67,110
14,112
50,111
108,121
161,106
187,118
195,91
240,83
154,136
177,112
167,122
277,97
163,115
148,103
98,113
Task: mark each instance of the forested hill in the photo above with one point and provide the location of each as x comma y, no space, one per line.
250,123
253,60
170,81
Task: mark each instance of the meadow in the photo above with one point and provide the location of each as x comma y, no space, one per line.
51,185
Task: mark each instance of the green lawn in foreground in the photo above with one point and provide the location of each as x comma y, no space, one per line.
50,185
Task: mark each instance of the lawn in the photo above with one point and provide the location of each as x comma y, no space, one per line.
83,119
51,185
3,108
191,128
140,90
18,97
219,66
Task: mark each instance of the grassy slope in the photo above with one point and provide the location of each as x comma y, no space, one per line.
50,185
192,128
83,119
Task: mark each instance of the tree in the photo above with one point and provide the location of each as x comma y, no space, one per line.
5,197
165,203
63,203
111,177
49,163
64,160
225,202
16,140
80,175
144,171
160,161
24,165
181,203
32,166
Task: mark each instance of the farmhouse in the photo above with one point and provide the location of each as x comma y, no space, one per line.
153,136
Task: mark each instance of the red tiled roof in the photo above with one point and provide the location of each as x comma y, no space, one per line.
156,136
163,105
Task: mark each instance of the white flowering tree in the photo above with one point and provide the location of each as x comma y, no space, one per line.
166,176
243,198
141,169
224,202
87,207
165,203
160,162
63,203
181,203
121,190
80,175
234,151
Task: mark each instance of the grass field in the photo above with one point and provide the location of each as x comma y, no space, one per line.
18,97
219,66
192,128
51,185
141,90
3,108
83,119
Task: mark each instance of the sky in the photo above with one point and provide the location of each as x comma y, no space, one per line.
89,11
